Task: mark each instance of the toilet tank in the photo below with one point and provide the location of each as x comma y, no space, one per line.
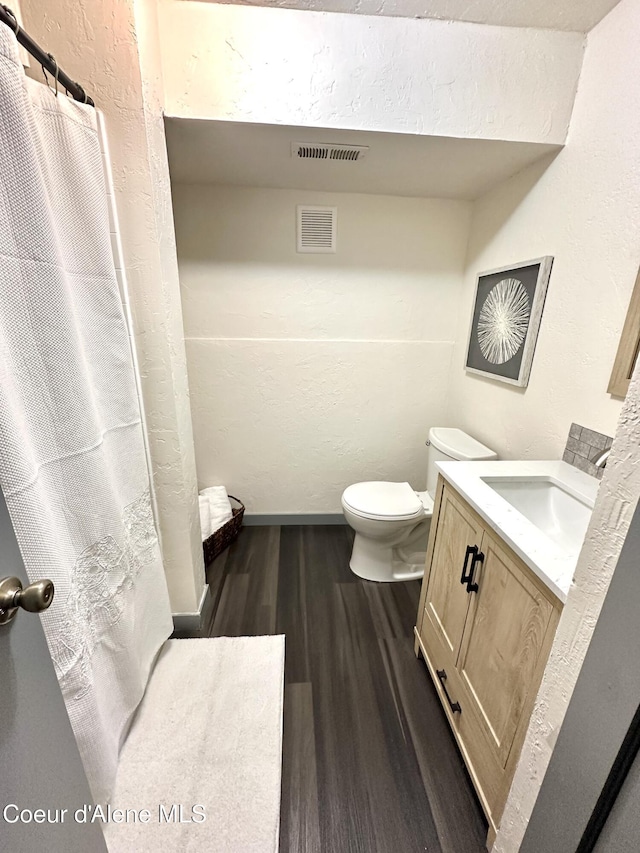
447,444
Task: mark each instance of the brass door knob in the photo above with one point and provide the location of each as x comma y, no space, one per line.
34,598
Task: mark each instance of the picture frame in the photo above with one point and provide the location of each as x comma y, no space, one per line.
505,322
628,347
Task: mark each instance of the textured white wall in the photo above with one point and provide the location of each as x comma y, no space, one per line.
311,372
104,46
585,209
283,66
572,15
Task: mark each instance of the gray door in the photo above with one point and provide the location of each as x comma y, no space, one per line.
40,766
621,832
599,716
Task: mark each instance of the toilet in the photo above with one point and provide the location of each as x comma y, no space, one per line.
391,520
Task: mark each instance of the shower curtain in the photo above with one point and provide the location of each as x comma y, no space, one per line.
72,459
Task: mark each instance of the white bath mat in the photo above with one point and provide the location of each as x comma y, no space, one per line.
205,749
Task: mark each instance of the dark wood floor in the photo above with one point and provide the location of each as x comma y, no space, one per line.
369,762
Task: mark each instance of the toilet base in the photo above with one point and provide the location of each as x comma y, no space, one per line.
373,562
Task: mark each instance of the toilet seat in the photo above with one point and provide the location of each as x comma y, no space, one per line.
427,502
382,501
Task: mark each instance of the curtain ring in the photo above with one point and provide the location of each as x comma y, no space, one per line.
16,28
54,61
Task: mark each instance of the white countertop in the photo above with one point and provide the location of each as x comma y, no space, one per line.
554,565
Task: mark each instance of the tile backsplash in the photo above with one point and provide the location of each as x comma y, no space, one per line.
583,445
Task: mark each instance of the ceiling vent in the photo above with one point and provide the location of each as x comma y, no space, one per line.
327,151
316,229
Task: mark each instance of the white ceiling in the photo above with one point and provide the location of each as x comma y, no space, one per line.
573,15
259,155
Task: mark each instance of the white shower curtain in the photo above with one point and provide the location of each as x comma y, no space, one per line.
72,460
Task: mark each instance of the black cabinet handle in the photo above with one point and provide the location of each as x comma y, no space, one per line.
472,550
455,706
478,557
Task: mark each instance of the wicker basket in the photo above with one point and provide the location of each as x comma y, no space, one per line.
224,536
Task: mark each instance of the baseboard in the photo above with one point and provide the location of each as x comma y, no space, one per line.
285,519
190,624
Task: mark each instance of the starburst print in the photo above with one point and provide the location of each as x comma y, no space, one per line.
503,321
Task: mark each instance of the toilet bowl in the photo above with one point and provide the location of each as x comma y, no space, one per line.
392,521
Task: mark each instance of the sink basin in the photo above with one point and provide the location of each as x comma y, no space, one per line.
548,504
540,508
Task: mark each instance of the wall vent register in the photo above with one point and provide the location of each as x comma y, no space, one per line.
328,151
316,229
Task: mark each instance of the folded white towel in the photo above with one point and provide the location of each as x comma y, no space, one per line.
205,517
219,506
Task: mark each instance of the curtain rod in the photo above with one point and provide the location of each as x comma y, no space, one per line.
45,59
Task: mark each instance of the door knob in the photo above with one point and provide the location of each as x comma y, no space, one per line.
34,598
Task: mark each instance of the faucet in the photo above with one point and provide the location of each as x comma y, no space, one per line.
600,460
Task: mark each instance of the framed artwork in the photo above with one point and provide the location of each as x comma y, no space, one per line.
506,318
628,347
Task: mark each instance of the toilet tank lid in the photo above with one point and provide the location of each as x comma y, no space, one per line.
459,445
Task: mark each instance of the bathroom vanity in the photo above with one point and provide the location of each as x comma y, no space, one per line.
504,542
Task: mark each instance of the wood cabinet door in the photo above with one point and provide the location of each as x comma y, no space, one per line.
447,599
501,658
